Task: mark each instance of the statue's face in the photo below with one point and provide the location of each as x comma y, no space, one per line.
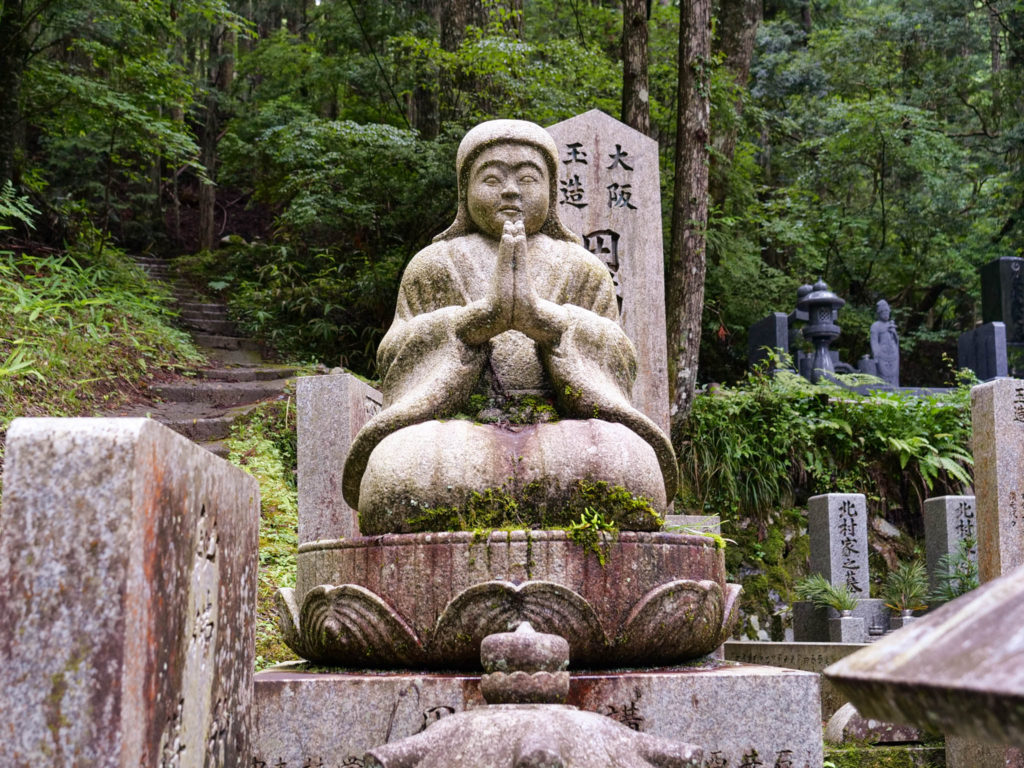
508,182
883,312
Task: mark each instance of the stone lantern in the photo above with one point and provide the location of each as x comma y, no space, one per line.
821,306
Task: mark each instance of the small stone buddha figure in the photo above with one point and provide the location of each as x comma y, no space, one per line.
506,376
885,345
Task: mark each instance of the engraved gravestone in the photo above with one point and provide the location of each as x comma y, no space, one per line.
127,598
997,417
948,520
609,193
331,410
837,524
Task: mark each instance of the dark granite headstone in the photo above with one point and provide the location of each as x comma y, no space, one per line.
1002,295
983,350
769,333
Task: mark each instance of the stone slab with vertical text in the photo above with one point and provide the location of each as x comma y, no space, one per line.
610,194
128,563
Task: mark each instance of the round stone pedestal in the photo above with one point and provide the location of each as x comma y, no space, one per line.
427,600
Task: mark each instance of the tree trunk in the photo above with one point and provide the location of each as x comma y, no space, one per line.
13,55
221,68
636,102
423,114
684,286
738,21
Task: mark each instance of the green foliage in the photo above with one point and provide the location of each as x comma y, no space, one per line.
263,443
823,594
592,532
78,331
957,572
773,441
906,587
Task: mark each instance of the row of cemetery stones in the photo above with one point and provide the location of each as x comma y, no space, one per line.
993,349
128,578
837,526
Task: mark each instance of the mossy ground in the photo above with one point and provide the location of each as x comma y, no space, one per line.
263,443
866,756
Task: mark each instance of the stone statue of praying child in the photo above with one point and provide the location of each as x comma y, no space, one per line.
885,345
506,319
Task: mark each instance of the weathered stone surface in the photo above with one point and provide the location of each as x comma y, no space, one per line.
127,598
506,306
698,523
330,411
849,725
809,657
846,629
837,524
519,735
964,753
609,192
659,598
733,712
997,419
948,520
959,669
983,350
445,464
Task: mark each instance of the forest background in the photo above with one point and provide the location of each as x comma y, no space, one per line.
302,149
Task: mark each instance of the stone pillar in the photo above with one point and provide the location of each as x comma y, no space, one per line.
837,524
948,520
331,410
997,415
609,193
127,598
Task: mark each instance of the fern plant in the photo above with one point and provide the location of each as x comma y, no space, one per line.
957,572
906,587
822,593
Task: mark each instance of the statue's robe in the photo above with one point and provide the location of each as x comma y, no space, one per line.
428,372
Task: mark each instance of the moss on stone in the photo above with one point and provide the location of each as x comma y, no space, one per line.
511,409
532,508
864,756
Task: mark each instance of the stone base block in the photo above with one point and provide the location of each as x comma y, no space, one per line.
741,714
964,753
810,657
810,624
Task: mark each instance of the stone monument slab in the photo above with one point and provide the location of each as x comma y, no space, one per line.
769,334
1002,295
331,410
127,598
997,418
610,194
736,712
837,524
948,520
983,350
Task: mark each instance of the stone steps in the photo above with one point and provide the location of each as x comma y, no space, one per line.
221,393
204,409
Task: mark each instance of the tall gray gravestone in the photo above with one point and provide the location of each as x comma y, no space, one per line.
609,193
948,520
331,410
837,524
997,417
128,564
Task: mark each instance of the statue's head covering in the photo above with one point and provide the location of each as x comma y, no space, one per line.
881,306
495,132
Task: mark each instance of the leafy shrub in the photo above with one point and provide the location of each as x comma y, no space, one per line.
354,203
773,441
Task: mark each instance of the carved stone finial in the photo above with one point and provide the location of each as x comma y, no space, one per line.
524,667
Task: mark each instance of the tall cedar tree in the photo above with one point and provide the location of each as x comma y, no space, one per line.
684,284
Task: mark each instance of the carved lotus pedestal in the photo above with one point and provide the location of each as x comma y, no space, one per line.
427,600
